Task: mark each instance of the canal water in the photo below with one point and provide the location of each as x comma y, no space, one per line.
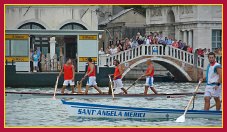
46,112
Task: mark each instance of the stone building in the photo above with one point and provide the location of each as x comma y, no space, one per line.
124,23
62,30
200,26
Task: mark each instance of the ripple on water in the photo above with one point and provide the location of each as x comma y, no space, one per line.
49,112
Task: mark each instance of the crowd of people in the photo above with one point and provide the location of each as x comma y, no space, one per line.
153,38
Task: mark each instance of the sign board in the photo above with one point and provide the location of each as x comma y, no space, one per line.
16,37
84,59
87,37
17,59
87,47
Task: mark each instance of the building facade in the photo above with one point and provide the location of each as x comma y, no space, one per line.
198,26
58,32
124,24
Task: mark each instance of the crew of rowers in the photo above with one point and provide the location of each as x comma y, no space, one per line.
213,77
69,77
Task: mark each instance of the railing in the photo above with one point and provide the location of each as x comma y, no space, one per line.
50,65
153,50
54,65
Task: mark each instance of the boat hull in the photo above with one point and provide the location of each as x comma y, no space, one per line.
107,111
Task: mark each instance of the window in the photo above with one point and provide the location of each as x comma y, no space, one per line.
73,26
7,48
216,39
42,43
19,48
31,25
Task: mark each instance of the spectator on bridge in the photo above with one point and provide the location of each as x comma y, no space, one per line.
207,51
185,47
101,52
216,51
200,52
155,40
118,50
204,51
120,47
175,44
189,49
219,51
151,38
139,39
134,44
147,40
180,44
113,50
120,44
108,50
162,41
168,41
128,44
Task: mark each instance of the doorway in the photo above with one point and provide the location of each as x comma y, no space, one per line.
71,48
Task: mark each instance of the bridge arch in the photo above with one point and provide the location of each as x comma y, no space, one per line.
179,73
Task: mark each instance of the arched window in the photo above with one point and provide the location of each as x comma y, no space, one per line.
73,26
31,25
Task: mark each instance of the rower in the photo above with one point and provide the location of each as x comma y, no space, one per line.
91,77
149,77
213,86
117,77
69,74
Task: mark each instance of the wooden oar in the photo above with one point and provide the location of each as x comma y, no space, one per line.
79,85
55,89
111,87
134,83
182,117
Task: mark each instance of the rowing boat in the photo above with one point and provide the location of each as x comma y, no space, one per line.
77,95
108,111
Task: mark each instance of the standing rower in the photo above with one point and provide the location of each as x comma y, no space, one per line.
149,77
117,77
91,73
69,74
213,79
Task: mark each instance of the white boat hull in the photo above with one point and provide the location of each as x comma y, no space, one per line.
107,111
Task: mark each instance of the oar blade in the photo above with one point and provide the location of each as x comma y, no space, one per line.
54,97
181,118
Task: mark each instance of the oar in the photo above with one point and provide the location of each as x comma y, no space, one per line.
134,83
111,87
182,117
214,105
79,84
55,89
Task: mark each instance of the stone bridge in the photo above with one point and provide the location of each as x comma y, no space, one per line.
183,65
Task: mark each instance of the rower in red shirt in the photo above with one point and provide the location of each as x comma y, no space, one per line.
118,85
149,77
91,77
69,75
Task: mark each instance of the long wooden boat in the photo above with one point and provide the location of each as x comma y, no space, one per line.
109,111
76,95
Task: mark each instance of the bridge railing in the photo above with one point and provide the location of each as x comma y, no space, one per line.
127,55
152,50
